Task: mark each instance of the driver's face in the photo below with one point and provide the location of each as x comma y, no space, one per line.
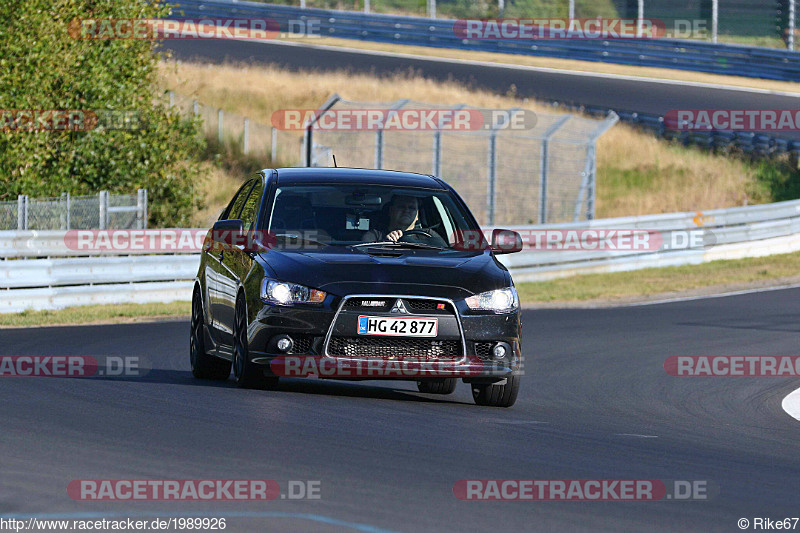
403,212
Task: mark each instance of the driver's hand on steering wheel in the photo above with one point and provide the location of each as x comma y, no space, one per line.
395,235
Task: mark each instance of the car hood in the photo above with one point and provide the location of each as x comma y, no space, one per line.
451,274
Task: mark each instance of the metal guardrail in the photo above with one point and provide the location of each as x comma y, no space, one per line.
700,56
29,281
681,54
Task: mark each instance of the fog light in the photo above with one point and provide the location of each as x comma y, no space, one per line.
500,351
285,343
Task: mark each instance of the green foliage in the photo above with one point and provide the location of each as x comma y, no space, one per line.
43,68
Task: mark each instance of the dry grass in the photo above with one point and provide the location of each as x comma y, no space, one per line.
637,173
216,189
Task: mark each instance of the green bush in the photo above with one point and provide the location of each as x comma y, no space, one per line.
44,68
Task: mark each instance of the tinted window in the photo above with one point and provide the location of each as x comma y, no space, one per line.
236,204
250,209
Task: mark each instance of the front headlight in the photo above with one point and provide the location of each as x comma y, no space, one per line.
499,301
282,293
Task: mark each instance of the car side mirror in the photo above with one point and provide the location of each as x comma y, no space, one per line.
227,231
506,241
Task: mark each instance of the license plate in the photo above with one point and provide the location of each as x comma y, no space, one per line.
398,327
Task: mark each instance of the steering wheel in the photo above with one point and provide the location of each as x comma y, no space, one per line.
416,232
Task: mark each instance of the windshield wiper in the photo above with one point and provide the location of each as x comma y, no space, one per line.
300,237
399,244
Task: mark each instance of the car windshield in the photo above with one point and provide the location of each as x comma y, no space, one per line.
362,215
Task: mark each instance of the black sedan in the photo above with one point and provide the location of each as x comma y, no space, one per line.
356,274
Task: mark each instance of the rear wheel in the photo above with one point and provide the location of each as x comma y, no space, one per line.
491,395
246,374
204,366
437,386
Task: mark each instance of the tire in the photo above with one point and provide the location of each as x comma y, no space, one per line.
246,374
204,366
496,395
438,385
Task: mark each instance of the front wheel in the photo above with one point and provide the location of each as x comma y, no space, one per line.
246,374
204,365
491,395
438,385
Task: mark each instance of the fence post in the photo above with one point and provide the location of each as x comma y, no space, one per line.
220,117
140,208
366,6
792,16
274,148
437,153
103,201
22,212
492,186
171,98
715,20
246,140
69,211
571,9
640,18
379,149
195,107
432,9
543,162
501,6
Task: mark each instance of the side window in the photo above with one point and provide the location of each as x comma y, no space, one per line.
236,204
250,209
444,214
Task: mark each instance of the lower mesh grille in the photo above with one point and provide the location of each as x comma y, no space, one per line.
302,344
371,347
484,350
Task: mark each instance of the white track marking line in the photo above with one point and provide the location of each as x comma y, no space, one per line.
791,404
473,62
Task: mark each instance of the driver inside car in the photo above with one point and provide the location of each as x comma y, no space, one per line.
403,221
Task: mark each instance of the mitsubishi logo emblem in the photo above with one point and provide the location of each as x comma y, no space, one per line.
399,307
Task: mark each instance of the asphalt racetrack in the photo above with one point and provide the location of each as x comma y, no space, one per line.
596,403
585,89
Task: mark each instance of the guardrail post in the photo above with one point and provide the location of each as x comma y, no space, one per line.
22,212
246,140
220,117
492,185
103,201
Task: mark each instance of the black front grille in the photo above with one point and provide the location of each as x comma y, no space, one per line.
386,347
302,344
484,350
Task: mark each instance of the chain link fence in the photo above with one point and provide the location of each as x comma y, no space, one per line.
544,173
65,212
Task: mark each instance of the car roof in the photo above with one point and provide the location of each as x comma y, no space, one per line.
356,175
